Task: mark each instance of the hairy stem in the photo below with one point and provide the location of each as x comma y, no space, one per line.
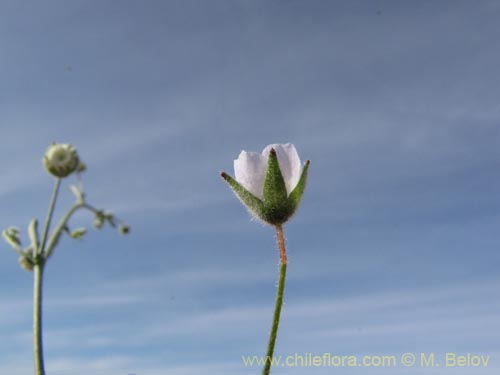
38,285
279,302
37,318
281,244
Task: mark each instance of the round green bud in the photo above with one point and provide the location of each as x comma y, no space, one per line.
61,159
26,263
124,229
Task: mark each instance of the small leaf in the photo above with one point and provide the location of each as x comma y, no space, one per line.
33,234
11,236
78,233
77,192
298,191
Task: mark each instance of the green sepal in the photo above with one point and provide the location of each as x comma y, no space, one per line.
296,194
254,204
277,207
274,184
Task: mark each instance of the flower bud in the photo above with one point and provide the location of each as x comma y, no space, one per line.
78,233
26,263
100,218
61,159
270,184
82,167
98,222
124,229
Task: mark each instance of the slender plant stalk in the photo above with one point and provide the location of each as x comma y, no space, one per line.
38,286
37,319
56,233
279,301
50,213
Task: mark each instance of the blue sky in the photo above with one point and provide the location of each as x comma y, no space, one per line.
396,244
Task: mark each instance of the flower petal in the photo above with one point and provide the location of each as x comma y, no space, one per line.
289,161
250,171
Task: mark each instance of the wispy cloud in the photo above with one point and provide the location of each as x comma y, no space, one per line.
396,316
